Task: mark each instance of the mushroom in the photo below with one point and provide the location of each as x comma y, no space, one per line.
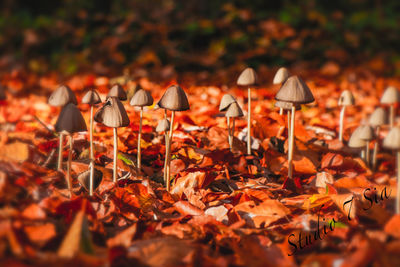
367,134
287,106
390,97
280,77
174,99
113,114
392,141
91,178
59,98
70,121
233,111
118,92
141,99
92,98
346,99
226,100
248,78
163,126
295,91
377,120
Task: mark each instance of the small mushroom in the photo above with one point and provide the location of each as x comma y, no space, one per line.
377,120
90,179
163,126
248,78
346,99
59,98
390,97
295,91
70,121
392,141
91,98
113,114
287,106
174,99
233,111
226,101
118,92
141,99
367,134
281,76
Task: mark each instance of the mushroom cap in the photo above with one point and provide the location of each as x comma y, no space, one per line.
117,91
141,98
247,77
234,110
70,120
226,100
2,93
163,126
346,98
295,90
112,114
174,99
378,117
91,98
281,76
390,96
62,96
355,140
366,133
392,139
286,105
84,178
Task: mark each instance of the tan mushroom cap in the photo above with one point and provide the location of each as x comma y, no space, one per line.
392,139
163,126
174,99
141,98
390,96
295,90
247,77
84,178
226,100
355,140
346,98
379,117
234,111
286,105
117,91
91,98
62,96
281,76
70,120
366,133
112,114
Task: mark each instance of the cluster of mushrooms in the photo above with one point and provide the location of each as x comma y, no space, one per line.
111,114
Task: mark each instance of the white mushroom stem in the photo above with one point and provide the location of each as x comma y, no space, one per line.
367,152
232,131
115,155
288,122
60,152
139,152
280,111
249,122
362,154
69,164
376,148
228,122
291,143
391,117
166,150
398,184
91,133
171,132
91,178
342,112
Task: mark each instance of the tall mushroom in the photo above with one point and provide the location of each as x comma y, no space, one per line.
287,106
377,119
392,141
248,78
118,92
91,98
346,99
141,98
113,114
70,121
174,99
227,100
233,111
390,97
295,91
367,134
59,98
280,77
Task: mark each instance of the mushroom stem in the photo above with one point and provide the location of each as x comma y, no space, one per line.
60,152
391,117
280,111
166,150
291,143
91,133
249,122
228,122
115,155
362,154
398,184
139,152
367,153
91,178
289,122
376,148
69,164
342,112
169,150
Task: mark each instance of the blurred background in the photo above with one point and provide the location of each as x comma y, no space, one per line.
163,37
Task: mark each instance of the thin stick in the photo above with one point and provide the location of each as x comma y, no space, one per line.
69,164
115,155
249,122
169,150
139,152
44,125
60,152
398,184
391,115
291,143
341,123
91,133
91,178
376,148
367,153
